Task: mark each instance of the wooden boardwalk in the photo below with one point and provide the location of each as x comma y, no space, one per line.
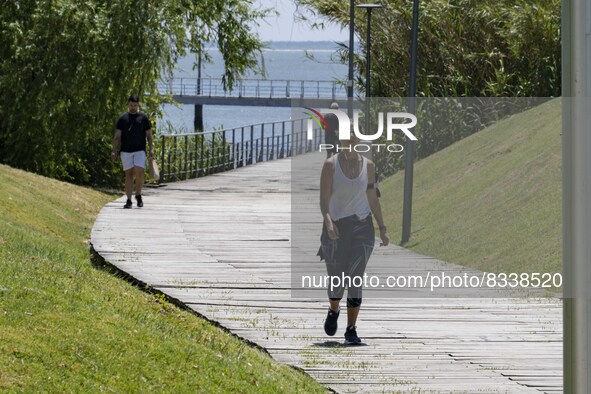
223,246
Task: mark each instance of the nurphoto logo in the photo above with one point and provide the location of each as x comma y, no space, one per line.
393,124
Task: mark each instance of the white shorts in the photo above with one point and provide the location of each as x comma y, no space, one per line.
133,159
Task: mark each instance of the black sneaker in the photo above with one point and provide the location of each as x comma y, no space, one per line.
140,203
330,324
127,204
351,337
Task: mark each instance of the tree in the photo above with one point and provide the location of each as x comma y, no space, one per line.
67,68
466,47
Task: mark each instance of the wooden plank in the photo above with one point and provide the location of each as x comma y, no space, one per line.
227,247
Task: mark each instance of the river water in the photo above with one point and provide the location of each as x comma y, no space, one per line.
282,61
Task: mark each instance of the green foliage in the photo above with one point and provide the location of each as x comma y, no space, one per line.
67,68
466,47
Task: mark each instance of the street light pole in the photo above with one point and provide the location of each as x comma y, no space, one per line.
198,120
412,92
351,58
576,211
369,8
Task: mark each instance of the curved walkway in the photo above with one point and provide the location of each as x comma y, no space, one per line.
222,245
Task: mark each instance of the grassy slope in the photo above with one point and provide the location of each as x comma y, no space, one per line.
68,327
491,201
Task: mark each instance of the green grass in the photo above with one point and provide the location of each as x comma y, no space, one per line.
68,327
491,201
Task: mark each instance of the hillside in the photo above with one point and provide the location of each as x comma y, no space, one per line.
69,327
491,201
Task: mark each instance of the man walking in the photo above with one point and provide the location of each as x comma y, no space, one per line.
131,132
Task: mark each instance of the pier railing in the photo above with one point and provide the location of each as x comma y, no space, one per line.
256,88
192,155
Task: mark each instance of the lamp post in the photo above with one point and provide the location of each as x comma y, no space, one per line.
351,58
412,92
369,8
576,212
198,120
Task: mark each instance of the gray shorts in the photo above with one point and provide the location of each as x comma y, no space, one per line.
133,159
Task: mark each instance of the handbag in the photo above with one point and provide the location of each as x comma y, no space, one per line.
153,170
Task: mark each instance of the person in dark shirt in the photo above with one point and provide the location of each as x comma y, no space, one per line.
332,131
131,132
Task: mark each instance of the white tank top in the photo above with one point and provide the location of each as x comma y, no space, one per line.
348,196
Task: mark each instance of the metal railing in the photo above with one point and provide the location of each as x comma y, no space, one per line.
192,155
257,88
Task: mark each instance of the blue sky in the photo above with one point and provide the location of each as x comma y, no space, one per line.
285,27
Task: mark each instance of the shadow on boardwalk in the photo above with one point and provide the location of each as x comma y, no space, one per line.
221,245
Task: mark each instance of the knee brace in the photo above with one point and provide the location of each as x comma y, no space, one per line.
353,302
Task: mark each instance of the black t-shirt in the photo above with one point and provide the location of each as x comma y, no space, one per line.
133,131
332,132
